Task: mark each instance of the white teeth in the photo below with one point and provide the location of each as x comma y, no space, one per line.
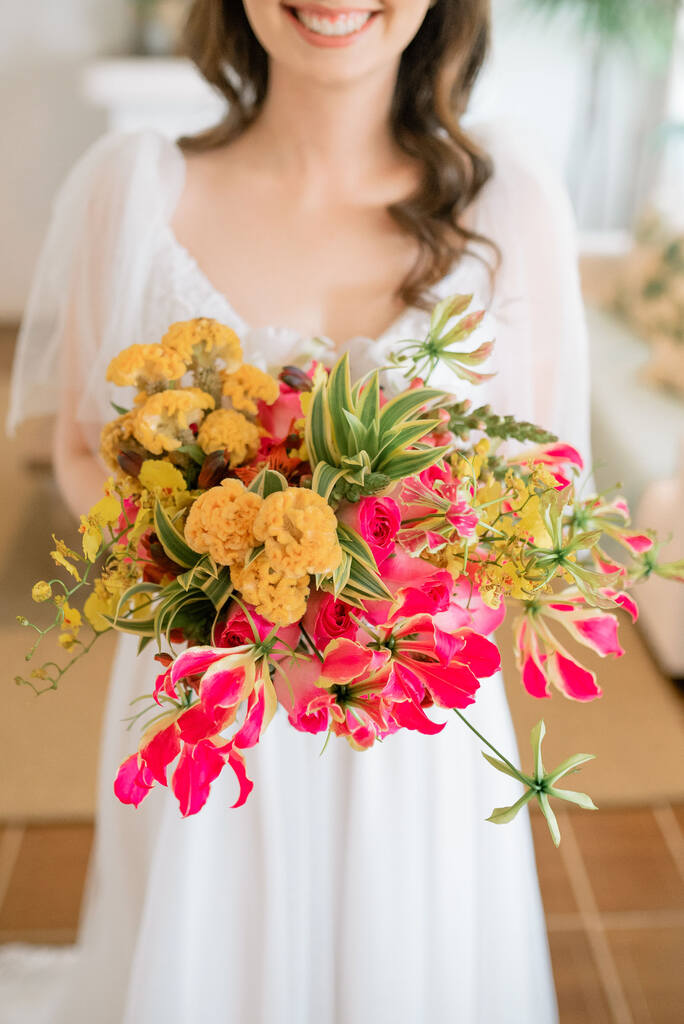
340,25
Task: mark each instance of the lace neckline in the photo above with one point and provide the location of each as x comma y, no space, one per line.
240,324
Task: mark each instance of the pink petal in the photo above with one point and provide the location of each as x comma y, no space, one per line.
197,768
480,655
133,781
573,679
637,542
452,687
160,750
223,687
411,716
345,660
237,763
533,678
600,633
623,600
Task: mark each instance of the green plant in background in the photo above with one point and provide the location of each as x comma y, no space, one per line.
648,26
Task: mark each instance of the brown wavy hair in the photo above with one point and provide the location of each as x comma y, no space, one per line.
436,75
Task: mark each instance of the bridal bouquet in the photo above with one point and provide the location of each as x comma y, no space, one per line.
302,540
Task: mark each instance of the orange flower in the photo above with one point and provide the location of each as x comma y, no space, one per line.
299,532
203,341
162,423
221,522
247,385
280,599
231,431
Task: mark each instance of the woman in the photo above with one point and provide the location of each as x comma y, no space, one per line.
340,196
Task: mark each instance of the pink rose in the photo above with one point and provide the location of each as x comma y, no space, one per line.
328,619
377,520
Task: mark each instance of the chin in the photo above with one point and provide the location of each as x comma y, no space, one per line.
335,41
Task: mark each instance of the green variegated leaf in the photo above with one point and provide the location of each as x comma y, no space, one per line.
324,479
410,463
318,430
339,398
340,577
404,405
219,590
403,436
254,554
137,588
268,481
356,432
172,542
368,402
143,627
366,583
353,543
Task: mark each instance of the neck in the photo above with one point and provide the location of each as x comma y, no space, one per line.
333,134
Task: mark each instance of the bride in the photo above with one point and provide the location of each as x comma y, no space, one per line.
339,198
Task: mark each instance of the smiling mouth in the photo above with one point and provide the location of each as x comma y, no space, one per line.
331,23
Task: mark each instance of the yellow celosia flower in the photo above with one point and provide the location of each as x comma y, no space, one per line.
42,591
203,342
146,366
221,522
299,532
247,385
229,430
158,475
280,599
113,438
162,423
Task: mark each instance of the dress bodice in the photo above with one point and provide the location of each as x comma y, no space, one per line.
112,273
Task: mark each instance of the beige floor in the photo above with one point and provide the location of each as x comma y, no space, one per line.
48,745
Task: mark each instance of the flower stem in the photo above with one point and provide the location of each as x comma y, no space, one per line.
518,774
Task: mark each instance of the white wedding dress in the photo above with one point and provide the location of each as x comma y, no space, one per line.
351,888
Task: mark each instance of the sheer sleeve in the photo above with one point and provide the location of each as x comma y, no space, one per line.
87,290
541,354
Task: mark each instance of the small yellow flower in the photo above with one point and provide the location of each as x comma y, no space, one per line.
248,385
67,640
72,618
203,341
62,555
299,531
158,475
104,513
228,430
42,591
95,609
162,423
280,599
146,366
221,522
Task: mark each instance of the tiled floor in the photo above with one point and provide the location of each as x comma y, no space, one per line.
613,895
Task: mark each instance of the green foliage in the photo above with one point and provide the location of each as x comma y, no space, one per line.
462,422
646,25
